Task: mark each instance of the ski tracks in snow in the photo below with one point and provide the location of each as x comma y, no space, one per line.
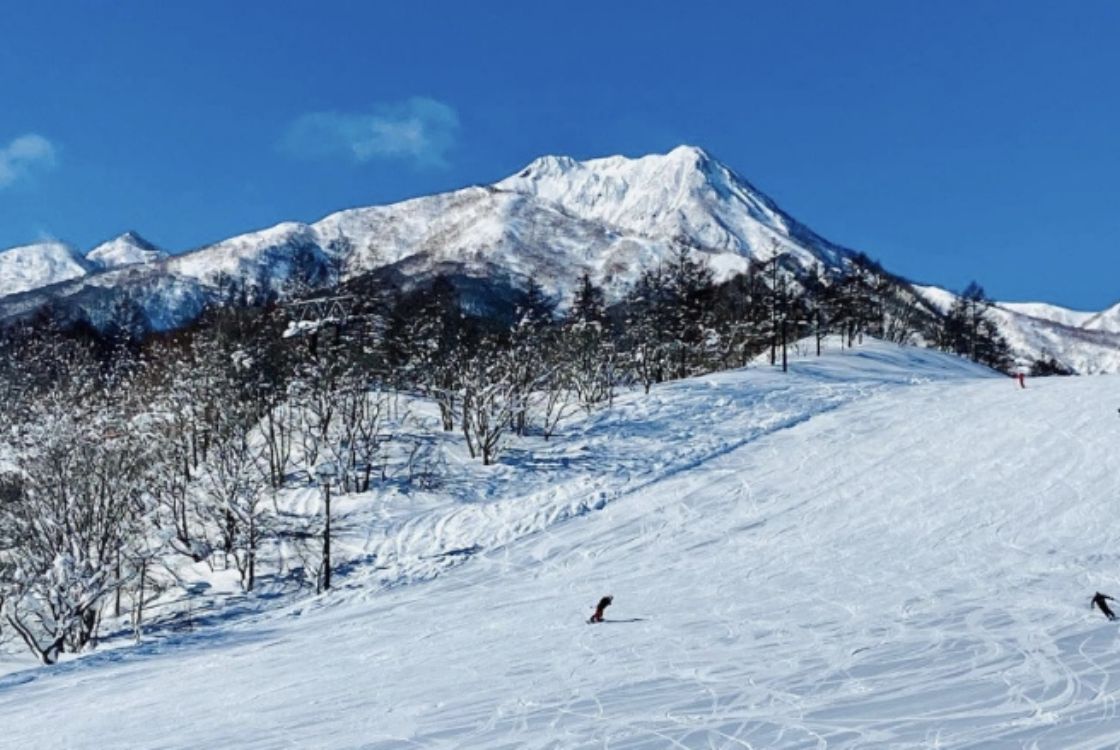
910,570
675,429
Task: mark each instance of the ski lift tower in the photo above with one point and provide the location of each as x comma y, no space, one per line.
349,315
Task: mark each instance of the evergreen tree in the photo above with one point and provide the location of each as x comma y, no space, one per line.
968,330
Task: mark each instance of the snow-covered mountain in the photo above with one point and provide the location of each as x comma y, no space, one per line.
1053,313
559,218
1084,350
552,221
34,266
685,194
1087,343
128,249
46,264
1106,320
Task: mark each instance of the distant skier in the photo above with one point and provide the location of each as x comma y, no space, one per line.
1101,601
603,604
1021,377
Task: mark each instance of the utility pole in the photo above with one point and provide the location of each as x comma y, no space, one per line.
773,310
785,363
327,538
325,473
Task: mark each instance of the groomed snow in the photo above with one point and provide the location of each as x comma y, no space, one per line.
886,548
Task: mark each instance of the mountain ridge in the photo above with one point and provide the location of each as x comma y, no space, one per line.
552,221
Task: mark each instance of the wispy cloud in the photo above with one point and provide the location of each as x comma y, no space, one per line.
419,130
23,156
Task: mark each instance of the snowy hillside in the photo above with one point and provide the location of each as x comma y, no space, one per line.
1085,350
1087,343
1106,320
34,266
1053,313
887,548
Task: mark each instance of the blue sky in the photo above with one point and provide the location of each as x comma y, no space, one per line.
952,141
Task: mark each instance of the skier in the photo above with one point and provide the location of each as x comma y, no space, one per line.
603,604
1099,600
1020,376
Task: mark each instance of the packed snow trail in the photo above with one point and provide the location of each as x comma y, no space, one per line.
641,440
910,569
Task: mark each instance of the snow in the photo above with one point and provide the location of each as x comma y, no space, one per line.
1106,320
128,249
1053,313
34,266
239,256
941,299
621,217
886,547
1084,350
684,193
1087,343
553,221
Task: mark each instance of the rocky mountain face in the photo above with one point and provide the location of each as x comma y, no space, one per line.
553,221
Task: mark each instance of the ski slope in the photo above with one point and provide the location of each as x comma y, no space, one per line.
885,548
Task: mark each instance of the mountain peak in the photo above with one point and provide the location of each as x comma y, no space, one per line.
685,194
693,155
133,237
545,165
682,157
127,249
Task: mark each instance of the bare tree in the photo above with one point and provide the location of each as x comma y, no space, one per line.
234,482
65,520
357,440
489,398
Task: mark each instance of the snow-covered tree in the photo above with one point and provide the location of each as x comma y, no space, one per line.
586,346
489,399
68,518
428,345
969,330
